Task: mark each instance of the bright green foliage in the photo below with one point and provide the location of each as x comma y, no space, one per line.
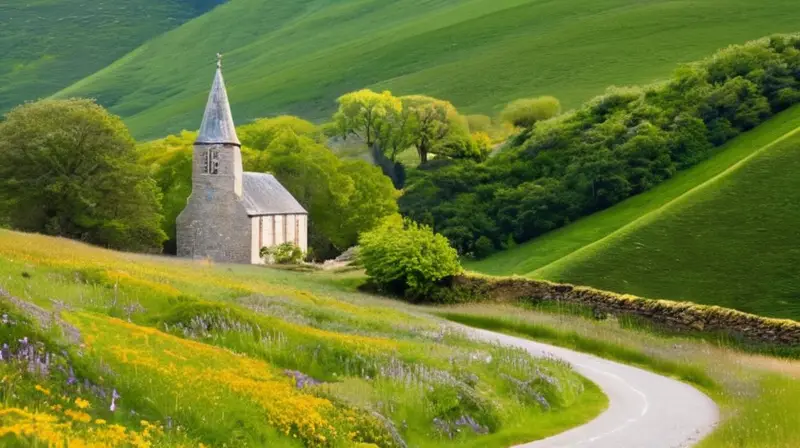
298,56
170,163
616,146
260,134
69,168
532,257
48,45
364,112
407,257
526,112
286,253
373,199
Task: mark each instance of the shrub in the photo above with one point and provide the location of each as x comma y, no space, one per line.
286,253
524,113
407,257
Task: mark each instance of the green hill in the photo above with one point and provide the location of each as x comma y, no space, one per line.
290,56
723,232
47,45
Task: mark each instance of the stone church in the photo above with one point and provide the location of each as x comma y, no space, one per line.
231,214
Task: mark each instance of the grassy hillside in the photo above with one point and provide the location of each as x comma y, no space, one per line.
128,350
533,258
721,233
289,56
732,241
47,45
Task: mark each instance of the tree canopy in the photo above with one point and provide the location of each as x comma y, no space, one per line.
69,168
614,146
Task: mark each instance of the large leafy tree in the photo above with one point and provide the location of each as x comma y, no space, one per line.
434,121
69,168
364,113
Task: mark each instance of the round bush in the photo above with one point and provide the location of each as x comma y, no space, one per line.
407,257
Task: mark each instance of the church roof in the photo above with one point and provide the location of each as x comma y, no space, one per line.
217,126
262,194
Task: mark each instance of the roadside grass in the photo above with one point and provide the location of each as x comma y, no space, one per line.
297,57
573,340
759,396
535,257
250,356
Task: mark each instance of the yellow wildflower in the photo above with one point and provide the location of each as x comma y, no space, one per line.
42,389
81,403
100,421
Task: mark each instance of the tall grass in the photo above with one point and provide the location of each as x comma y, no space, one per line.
247,356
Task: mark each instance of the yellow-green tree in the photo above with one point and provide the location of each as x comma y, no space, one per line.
362,113
526,112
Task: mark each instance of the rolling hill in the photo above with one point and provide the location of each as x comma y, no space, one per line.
722,232
296,57
47,45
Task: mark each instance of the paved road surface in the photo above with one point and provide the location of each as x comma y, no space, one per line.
645,410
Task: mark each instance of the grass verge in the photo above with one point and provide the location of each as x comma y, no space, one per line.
759,396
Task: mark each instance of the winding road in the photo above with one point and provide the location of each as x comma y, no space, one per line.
645,410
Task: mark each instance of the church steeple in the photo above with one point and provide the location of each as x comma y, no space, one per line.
217,127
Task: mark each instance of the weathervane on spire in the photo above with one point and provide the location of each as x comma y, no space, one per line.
219,60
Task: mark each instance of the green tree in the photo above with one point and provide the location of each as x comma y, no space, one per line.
260,133
373,199
362,113
433,121
169,161
407,257
526,112
69,168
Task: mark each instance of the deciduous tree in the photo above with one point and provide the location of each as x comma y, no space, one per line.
69,168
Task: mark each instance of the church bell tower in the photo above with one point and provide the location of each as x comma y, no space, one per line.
215,225
217,167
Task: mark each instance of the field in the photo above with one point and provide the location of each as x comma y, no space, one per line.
48,45
131,350
296,57
713,234
759,396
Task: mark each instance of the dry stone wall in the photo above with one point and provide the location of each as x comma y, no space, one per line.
682,316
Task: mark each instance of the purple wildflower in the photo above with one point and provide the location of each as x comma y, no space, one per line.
114,396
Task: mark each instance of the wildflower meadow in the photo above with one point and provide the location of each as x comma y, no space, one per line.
105,349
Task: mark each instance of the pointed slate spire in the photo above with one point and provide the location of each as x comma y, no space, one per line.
217,126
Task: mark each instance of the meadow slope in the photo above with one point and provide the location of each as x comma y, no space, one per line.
47,45
137,351
721,233
732,241
289,56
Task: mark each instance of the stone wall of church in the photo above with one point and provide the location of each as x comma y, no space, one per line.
214,223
